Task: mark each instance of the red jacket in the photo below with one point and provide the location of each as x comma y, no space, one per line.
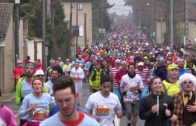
112,62
16,74
119,75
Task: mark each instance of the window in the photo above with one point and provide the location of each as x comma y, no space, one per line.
80,6
81,31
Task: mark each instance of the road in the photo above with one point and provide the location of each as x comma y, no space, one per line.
118,122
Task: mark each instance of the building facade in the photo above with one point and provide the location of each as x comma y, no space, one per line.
83,19
6,47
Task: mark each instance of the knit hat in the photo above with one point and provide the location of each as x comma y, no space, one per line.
30,64
117,61
140,64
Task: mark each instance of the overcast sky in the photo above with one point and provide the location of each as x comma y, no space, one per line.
119,7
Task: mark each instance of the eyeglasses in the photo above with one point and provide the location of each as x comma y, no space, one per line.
60,101
40,75
187,82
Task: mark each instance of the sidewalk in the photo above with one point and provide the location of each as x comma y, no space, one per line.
7,97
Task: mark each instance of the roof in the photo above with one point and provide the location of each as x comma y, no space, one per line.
6,11
77,1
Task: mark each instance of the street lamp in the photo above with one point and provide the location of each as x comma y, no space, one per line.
152,16
148,4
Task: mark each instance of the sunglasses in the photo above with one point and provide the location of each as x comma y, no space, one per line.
187,82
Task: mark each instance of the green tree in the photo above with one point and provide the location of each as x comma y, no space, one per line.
100,16
57,34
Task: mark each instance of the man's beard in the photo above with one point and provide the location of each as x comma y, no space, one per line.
131,75
29,74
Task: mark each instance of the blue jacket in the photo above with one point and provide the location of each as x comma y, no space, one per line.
182,71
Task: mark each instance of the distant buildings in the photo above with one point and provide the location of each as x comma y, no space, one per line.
84,31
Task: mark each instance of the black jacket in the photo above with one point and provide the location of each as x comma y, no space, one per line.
152,119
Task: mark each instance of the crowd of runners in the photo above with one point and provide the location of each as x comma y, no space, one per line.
127,75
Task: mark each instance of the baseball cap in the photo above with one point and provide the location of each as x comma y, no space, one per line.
117,61
161,59
140,64
39,72
172,66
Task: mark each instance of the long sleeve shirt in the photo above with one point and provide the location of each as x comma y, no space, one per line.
145,75
7,117
39,114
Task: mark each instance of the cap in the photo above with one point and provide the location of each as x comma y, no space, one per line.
67,60
140,64
117,61
145,57
172,66
39,72
19,61
161,59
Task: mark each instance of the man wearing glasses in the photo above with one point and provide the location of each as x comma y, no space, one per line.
66,98
185,102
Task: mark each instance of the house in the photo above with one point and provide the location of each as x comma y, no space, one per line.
192,26
161,27
85,31
7,50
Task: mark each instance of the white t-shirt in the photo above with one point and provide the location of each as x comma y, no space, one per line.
55,121
104,107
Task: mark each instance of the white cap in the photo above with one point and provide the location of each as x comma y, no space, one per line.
140,64
39,72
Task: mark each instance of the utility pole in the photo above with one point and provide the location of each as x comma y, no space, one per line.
77,28
152,23
16,30
171,22
16,35
161,9
70,23
43,33
85,33
186,22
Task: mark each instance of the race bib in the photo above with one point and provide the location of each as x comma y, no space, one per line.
76,79
133,88
39,114
102,111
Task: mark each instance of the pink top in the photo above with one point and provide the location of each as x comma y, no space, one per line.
7,116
